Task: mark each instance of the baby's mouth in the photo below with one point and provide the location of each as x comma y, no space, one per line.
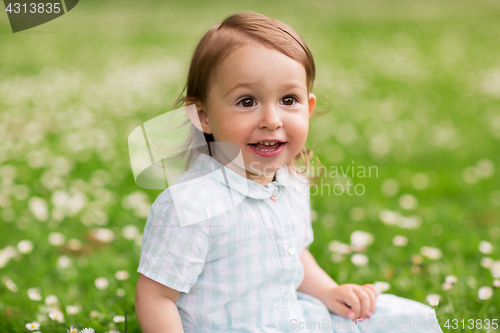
267,145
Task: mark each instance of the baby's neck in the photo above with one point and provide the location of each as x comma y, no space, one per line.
261,180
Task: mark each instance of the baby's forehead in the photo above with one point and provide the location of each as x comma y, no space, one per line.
254,62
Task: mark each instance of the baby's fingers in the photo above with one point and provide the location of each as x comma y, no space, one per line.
371,287
365,302
372,291
343,309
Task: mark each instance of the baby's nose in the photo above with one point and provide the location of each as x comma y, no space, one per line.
271,118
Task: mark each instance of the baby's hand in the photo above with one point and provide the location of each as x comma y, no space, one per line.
351,300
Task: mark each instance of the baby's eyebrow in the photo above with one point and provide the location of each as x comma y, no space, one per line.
241,84
288,85
294,85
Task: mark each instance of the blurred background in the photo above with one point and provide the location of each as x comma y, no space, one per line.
410,89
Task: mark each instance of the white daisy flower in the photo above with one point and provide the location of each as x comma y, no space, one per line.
51,300
56,315
130,232
420,181
486,262
102,235
120,292
75,203
134,199
410,222
451,279
3,259
381,286
72,309
446,286
359,259
338,247
25,246
389,217
7,254
400,240
485,168
34,294
485,247
64,261
496,283
74,244
432,253
59,198
121,275
408,202
433,299
11,285
87,330
39,208
56,239
485,293
361,239
495,269
33,326
118,319
94,314
72,330
389,187
101,283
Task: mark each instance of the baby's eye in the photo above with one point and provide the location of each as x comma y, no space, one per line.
289,100
247,102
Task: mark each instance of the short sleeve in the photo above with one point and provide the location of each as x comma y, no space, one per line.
173,253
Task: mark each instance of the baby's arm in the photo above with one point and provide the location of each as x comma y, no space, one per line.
155,307
316,282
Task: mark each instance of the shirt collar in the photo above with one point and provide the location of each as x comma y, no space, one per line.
209,166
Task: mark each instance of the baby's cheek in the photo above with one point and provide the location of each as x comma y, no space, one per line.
299,132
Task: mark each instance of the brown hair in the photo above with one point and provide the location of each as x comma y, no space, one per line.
223,38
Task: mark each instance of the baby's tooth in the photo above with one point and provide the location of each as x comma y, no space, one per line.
268,143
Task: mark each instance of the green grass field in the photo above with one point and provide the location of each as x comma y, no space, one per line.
409,88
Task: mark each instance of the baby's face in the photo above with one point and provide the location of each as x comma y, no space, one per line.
258,94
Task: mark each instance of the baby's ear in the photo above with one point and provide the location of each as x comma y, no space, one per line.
198,116
312,103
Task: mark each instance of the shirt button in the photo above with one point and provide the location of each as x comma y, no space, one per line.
275,195
291,250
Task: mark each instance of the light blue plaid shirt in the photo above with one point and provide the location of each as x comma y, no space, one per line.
238,267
